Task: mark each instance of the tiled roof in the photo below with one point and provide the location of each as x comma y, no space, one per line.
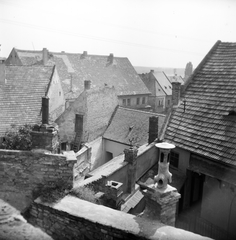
132,124
165,84
206,127
21,94
98,69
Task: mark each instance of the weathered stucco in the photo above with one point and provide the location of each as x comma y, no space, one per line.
96,106
56,97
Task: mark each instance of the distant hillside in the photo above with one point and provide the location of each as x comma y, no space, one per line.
168,71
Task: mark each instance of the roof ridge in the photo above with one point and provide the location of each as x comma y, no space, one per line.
92,55
137,110
31,51
30,66
200,66
63,52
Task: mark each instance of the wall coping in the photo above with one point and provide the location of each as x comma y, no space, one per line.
32,153
128,223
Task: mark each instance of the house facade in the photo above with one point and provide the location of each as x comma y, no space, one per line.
160,88
87,117
203,128
22,89
75,68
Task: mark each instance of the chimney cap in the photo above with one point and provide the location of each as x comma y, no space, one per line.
165,145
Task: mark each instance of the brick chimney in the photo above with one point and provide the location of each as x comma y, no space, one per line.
153,129
84,55
45,56
131,158
110,58
176,88
2,74
87,84
45,110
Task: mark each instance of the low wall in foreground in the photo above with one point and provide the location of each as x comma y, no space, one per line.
73,218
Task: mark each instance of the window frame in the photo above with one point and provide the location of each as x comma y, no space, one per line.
128,102
143,100
174,159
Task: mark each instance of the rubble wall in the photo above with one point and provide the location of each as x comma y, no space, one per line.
23,173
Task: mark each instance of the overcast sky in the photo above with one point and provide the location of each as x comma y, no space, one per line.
153,33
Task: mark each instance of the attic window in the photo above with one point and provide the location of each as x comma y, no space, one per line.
165,87
170,87
159,89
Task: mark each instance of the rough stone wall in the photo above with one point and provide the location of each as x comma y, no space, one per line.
45,140
73,218
23,173
61,225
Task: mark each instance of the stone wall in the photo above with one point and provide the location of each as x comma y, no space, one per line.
23,173
73,218
62,225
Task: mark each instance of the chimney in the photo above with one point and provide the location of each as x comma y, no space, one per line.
153,129
110,58
87,84
84,55
45,110
176,88
131,158
71,83
45,56
162,199
151,71
2,74
79,126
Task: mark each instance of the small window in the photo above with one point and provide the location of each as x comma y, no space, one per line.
60,93
168,102
124,102
143,100
174,159
128,101
138,100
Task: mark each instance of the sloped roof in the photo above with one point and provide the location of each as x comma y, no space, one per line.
132,124
206,127
21,94
165,84
98,69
